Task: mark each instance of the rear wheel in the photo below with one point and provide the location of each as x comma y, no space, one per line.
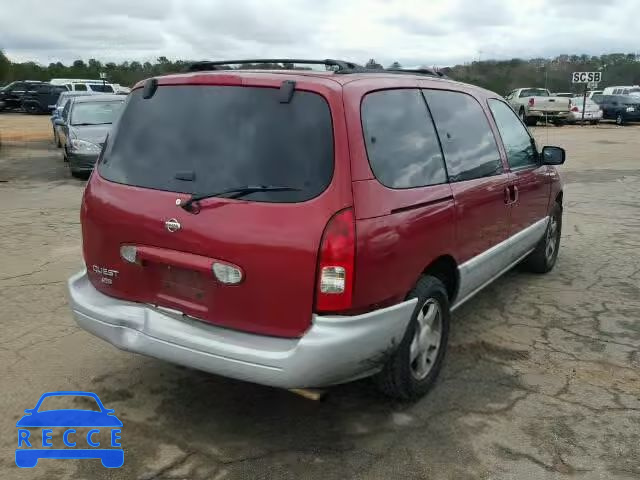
414,367
543,258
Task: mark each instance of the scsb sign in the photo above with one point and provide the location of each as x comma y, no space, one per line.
586,77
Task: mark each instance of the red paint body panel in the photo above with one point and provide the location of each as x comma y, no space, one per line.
533,197
399,233
482,215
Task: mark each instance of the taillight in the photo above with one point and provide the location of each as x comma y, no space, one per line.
575,109
336,261
531,102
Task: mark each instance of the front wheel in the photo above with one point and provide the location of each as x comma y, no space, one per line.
56,138
412,370
544,256
619,120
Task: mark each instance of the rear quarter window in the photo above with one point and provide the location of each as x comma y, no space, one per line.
223,137
401,141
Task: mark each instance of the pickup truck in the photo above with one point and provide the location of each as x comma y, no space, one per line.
533,104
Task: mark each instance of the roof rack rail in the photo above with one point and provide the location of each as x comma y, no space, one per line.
419,71
342,66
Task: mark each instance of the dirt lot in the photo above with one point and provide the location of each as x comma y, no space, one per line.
542,380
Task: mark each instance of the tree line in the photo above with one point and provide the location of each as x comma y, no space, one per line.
498,75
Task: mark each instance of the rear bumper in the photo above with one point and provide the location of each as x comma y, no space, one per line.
590,116
543,114
335,349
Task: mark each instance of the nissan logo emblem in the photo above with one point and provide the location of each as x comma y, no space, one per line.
172,225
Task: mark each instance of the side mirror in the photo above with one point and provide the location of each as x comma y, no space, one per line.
553,155
59,122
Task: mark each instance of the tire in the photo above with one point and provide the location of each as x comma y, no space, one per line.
531,121
544,256
56,139
523,115
32,108
406,379
65,158
559,123
619,120
594,122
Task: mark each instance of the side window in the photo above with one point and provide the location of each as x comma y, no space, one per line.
80,87
402,144
65,111
470,149
521,151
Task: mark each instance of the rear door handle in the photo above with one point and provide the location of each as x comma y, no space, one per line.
510,195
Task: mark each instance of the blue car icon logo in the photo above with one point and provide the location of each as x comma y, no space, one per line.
85,432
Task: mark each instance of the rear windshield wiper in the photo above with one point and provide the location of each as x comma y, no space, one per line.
237,193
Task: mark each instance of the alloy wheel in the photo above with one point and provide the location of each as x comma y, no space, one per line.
426,339
552,239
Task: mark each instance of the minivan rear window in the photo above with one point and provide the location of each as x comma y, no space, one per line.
202,139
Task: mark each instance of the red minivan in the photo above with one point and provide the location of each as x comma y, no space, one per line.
301,228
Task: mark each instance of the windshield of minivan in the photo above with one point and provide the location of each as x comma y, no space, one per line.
95,113
223,137
534,92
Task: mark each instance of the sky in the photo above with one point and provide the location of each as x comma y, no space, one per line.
413,32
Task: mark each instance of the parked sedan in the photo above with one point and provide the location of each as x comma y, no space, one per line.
84,127
58,109
592,111
621,108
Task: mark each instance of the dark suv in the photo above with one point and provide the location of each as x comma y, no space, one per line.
303,229
621,108
11,95
41,97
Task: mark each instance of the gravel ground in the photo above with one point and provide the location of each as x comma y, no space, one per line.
542,380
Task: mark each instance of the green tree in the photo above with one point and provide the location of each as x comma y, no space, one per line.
5,68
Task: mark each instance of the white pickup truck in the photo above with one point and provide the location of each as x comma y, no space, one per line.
533,104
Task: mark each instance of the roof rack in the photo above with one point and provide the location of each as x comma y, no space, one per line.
341,65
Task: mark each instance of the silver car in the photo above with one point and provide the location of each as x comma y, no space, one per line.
84,126
57,109
592,111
